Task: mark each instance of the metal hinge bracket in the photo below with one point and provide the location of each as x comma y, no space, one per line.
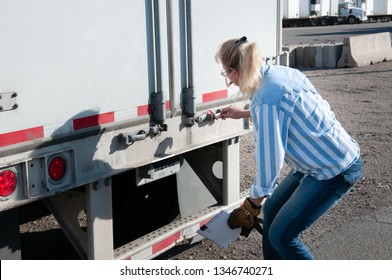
8,101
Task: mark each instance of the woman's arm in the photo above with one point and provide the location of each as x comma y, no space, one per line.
234,112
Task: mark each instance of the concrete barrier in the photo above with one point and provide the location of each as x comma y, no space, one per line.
331,55
289,56
319,56
299,57
310,56
365,50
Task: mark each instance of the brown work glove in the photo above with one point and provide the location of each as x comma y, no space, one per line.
244,216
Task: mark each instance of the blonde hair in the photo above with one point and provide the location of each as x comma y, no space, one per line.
244,57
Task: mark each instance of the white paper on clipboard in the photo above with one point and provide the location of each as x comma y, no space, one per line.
218,230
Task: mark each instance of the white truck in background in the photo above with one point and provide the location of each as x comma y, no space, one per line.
100,115
377,10
299,13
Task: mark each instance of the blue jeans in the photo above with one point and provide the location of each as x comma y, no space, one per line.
296,204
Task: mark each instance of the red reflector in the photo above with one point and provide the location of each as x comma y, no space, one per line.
8,182
57,168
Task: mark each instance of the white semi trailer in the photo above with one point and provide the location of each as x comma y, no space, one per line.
100,115
298,13
377,10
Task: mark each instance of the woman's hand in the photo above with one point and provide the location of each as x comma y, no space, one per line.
234,112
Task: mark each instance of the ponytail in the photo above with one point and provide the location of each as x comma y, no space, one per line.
250,74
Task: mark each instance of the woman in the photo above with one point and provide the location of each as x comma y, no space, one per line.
292,123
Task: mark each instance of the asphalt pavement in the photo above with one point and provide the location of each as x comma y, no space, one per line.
331,34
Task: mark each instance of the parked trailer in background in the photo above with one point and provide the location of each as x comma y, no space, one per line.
298,13
378,10
102,114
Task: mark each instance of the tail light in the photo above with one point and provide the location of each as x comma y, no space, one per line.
57,168
59,173
8,182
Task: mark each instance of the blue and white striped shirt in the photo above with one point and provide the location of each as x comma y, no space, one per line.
293,122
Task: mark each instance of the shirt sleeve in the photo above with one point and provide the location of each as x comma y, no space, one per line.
270,131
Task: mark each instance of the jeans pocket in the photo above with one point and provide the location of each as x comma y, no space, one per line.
353,173
352,179
343,186
349,178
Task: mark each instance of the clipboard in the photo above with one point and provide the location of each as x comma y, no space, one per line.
219,231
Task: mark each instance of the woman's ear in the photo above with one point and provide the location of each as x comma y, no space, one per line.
234,73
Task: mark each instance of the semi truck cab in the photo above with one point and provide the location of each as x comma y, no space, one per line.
351,14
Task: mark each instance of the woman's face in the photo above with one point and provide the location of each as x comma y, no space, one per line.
231,75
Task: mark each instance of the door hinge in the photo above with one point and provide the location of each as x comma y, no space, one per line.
8,101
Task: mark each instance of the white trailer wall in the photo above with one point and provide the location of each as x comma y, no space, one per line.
304,9
71,58
382,7
378,7
291,8
262,26
334,7
325,7
369,6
